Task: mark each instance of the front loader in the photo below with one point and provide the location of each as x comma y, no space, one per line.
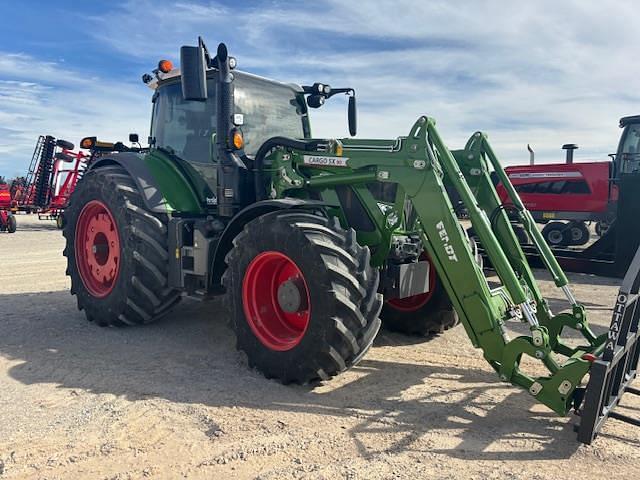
314,242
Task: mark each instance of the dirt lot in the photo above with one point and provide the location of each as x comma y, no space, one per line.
175,400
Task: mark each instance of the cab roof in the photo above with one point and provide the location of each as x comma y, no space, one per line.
161,78
624,121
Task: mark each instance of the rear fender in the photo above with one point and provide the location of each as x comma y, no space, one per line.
155,198
146,183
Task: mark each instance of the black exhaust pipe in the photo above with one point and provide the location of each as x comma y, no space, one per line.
229,163
569,147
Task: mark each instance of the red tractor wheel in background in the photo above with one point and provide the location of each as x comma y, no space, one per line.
303,296
116,251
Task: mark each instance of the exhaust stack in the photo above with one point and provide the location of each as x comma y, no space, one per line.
569,147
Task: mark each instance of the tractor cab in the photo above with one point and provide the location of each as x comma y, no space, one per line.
215,120
263,109
186,129
627,159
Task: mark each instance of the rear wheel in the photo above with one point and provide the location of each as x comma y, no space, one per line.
303,296
424,314
556,234
116,251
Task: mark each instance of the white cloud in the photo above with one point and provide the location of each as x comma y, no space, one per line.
52,100
541,72
544,73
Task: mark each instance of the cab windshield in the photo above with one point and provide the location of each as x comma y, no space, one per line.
630,153
186,128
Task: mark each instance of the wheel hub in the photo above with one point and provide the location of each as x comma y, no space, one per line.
97,248
291,295
555,236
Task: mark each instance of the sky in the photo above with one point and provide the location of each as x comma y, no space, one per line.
544,73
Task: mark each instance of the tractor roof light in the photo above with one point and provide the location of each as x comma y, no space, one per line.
165,66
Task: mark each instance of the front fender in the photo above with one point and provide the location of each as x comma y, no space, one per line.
237,223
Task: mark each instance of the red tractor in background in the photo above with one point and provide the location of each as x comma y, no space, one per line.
564,197
7,219
54,172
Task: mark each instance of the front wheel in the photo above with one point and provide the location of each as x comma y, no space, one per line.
303,296
424,314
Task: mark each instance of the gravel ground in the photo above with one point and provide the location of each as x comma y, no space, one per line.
175,400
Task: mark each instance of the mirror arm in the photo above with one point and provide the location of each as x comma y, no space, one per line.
335,91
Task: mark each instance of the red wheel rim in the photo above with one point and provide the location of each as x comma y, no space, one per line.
415,302
97,249
276,328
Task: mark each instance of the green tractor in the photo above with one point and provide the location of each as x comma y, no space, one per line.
312,242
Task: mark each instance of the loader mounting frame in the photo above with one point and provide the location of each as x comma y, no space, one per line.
423,168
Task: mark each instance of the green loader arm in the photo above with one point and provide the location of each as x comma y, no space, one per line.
421,166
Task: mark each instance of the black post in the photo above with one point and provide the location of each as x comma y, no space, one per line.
570,147
229,163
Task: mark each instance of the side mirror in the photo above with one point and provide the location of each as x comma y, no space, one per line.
353,116
194,73
133,138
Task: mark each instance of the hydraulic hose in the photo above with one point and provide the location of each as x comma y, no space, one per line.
265,148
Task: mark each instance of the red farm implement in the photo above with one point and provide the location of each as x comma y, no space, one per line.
566,197
54,172
7,220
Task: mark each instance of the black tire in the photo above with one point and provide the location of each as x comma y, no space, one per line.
579,233
557,234
521,234
437,315
64,157
64,144
12,224
60,221
433,317
140,292
340,284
